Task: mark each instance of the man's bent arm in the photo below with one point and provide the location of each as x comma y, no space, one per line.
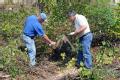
80,30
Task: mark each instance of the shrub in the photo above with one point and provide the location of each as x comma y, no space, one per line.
9,59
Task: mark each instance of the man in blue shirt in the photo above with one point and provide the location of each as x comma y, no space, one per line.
32,28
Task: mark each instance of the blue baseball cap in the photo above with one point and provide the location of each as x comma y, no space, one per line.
43,16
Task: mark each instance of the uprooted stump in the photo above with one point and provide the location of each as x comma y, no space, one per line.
63,45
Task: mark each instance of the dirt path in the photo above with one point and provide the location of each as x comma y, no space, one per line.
50,71
47,70
66,74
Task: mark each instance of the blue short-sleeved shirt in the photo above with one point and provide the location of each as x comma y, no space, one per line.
32,27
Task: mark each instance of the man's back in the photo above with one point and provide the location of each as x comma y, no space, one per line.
32,27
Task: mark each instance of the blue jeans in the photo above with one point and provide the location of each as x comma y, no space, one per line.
85,54
30,44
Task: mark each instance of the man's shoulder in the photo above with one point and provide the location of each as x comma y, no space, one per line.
80,16
32,16
31,19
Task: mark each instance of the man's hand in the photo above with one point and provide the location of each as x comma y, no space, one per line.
48,41
72,33
52,44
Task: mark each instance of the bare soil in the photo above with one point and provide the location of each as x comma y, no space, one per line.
47,70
